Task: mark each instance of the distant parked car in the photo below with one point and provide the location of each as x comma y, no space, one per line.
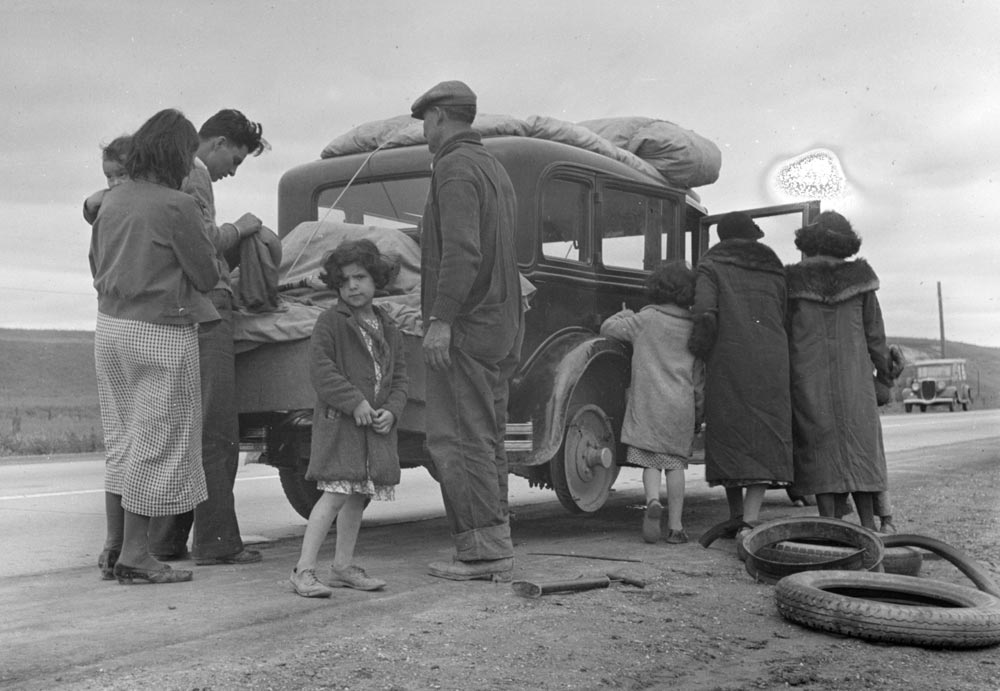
938,382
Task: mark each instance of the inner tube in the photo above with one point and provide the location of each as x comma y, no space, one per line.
966,564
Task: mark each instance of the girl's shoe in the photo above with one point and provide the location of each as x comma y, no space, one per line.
676,537
651,522
106,562
307,585
354,577
164,574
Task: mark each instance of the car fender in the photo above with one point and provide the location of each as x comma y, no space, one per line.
548,384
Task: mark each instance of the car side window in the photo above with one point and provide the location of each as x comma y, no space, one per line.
635,229
565,219
393,203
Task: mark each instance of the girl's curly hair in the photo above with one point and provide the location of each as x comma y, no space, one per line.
365,254
830,234
671,282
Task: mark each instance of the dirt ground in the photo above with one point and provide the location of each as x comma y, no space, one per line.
701,622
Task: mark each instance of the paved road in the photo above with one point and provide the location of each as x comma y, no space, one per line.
52,510
60,625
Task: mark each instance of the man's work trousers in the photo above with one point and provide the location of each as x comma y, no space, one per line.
216,530
465,416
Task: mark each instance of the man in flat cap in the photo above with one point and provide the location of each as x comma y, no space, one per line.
471,304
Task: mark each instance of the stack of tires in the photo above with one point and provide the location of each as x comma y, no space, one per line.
835,576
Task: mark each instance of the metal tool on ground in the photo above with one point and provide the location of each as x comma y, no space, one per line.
532,589
585,556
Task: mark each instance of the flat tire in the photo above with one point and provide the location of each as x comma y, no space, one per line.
863,548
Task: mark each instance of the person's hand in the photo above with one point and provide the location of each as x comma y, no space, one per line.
247,224
437,343
93,203
363,414
383,421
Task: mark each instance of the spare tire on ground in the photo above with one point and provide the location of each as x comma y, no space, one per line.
891,608
862,549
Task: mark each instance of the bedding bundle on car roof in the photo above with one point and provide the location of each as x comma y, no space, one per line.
659,148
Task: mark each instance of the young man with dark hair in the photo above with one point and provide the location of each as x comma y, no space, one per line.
471,304
227,138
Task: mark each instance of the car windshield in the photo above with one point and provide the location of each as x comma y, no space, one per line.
395,203
934,371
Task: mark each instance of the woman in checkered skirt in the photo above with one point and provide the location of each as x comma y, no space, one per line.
152,265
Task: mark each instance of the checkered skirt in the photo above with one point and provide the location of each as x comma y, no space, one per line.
149,388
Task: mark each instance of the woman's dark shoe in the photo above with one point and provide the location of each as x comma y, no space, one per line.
164,574
676,537
106,562
244,556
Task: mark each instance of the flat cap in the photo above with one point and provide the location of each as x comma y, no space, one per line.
451,93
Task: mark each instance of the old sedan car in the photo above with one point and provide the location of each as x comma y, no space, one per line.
589,229
938,382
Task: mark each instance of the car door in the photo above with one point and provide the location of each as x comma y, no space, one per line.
778,223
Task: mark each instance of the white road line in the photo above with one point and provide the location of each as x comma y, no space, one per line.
42,495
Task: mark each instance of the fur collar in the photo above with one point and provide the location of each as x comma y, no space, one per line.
830,280
747,254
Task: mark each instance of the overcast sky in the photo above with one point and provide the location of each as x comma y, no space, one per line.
904,92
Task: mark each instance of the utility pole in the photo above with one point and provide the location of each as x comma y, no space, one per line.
941,317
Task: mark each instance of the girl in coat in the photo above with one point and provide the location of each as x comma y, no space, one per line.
664,403
836,339
359,373
739,331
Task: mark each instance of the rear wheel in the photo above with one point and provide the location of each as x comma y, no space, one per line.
302,494
584,469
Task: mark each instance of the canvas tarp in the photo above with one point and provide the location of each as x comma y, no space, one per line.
303,296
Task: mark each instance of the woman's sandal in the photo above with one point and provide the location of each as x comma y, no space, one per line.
106,562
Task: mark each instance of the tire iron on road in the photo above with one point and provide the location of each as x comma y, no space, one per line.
532,589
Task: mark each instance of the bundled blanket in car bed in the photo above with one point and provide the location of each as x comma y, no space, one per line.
303,296
656,147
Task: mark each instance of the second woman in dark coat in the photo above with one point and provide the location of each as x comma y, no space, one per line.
836,340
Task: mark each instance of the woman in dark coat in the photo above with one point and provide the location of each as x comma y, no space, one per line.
836,340
739,331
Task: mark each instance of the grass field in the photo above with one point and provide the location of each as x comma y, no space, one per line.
48,393
48,390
